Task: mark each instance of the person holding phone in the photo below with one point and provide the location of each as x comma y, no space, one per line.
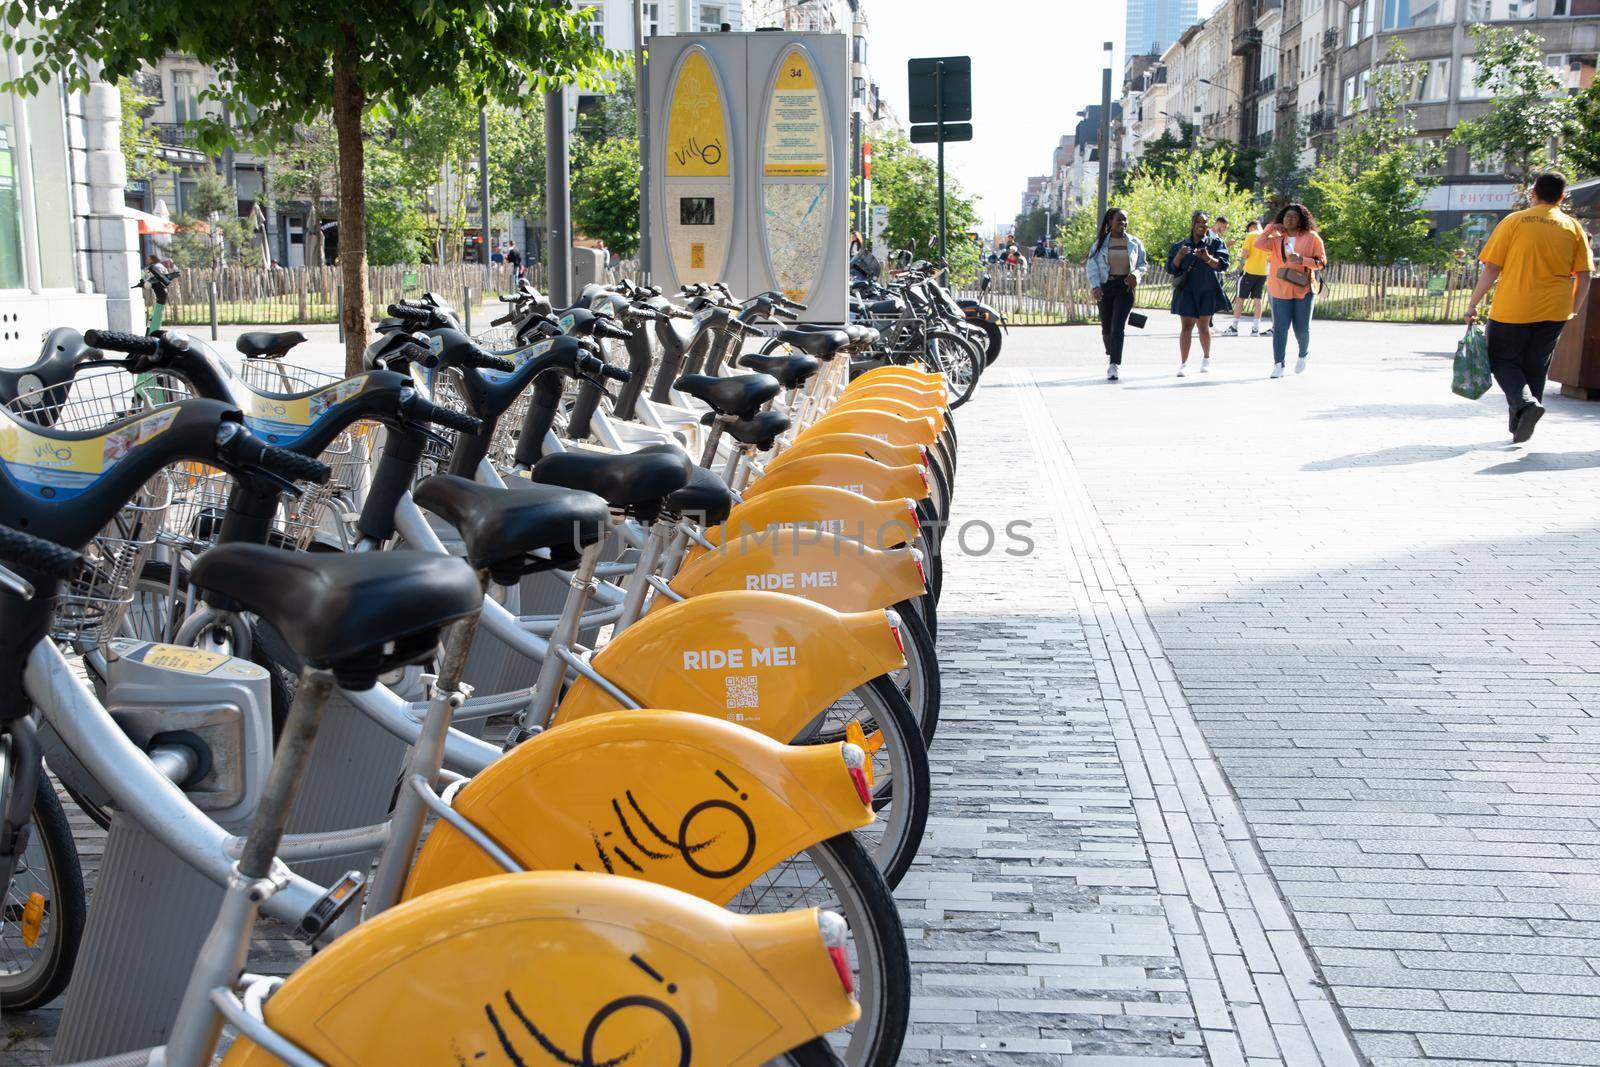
1197,263
1294,255
1116,263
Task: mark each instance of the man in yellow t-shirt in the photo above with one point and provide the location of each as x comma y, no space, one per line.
1541,258
1252,283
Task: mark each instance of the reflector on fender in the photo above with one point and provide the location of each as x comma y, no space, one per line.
893,618
858,766
916,557
835,937
916,523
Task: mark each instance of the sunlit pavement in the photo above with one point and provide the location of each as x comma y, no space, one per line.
1384,619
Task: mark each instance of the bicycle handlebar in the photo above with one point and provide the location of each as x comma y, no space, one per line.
37,554
243,449
133,344
489,361
415,406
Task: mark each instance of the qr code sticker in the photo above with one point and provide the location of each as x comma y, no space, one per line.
743,691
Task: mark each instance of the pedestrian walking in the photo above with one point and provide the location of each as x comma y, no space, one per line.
1541,259
1294,255
514,258
1116,263
1196,264
1252,282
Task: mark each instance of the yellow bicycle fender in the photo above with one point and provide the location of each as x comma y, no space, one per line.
768,661
884,425
908,375
824,568
560,968
911,390
820,508
920,399
906,408
851,444
855,473
680,800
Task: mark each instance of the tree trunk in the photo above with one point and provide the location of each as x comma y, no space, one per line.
348,104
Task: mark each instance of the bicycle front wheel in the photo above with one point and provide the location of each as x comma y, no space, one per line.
41,924
839,876
960,360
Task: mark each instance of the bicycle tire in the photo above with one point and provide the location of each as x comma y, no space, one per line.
995,341
814,1053
963,370
903,794
922,688
877,941
66,906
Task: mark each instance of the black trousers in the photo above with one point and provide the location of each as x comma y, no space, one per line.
1519,358
1116,301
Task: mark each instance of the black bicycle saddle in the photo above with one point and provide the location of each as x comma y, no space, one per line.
356,614
791,370
824,344
634,482
502,528
268,344
740,395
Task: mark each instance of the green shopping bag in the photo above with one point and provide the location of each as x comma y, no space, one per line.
1471,378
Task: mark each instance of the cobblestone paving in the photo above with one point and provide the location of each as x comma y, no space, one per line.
1088,893
1385,619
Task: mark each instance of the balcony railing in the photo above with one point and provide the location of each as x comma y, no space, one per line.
1267,86
1330,39
1322,121
1246,40
177,134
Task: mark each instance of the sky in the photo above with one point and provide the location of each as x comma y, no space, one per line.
1035,64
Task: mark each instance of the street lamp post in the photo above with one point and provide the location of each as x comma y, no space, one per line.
1105,131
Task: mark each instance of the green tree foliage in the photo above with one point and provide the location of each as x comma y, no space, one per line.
1029,228
284,63
1581,138
304,164
397,230
1160,203
1280,176
211,233
1368,191
906,182
516,158
1162,154
140,147
605,192
1528,106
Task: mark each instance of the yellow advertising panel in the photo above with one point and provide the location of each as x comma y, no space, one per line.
697,130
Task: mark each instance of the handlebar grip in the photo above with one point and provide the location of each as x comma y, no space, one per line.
792,304
37,554
489,361
410,314
615,373
293,466
613,331
503,319
416,406
133,344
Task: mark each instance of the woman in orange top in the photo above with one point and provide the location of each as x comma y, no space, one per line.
1294,255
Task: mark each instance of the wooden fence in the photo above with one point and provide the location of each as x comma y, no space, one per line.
283,296
1054,292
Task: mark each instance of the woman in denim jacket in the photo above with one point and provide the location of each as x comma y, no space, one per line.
1116,263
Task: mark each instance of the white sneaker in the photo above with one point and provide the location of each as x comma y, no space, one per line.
1205,365
1267,332
1255,331
1231,331
1300,365
1111,372
1277,371
1183,369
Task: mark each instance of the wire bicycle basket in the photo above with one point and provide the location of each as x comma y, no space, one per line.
94,600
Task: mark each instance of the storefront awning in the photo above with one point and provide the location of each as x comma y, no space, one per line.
149,223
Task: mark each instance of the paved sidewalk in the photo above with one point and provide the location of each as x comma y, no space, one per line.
1089,893
1386,619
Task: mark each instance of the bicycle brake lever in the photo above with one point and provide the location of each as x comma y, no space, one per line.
430,434
283,484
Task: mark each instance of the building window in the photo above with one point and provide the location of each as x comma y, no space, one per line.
1355,93
1492,165
1500,10
1433,81
1403,14
1435,143
1575,72
1470,90
652,19
710,18
1576,7
594,19
1358,26
185,95
12,275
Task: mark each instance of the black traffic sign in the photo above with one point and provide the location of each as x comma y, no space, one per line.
945,80
953,131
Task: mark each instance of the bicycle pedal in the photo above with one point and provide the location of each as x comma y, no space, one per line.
326,911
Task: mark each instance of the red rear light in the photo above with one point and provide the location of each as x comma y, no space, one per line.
835,938
923,473
894,628
916,523
858,766
922,573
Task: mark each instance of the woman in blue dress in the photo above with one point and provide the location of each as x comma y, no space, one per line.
1199,260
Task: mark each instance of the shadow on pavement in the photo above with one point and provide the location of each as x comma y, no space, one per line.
1405,411
1545,461
1402,455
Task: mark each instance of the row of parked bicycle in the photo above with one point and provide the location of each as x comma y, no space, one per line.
574,704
